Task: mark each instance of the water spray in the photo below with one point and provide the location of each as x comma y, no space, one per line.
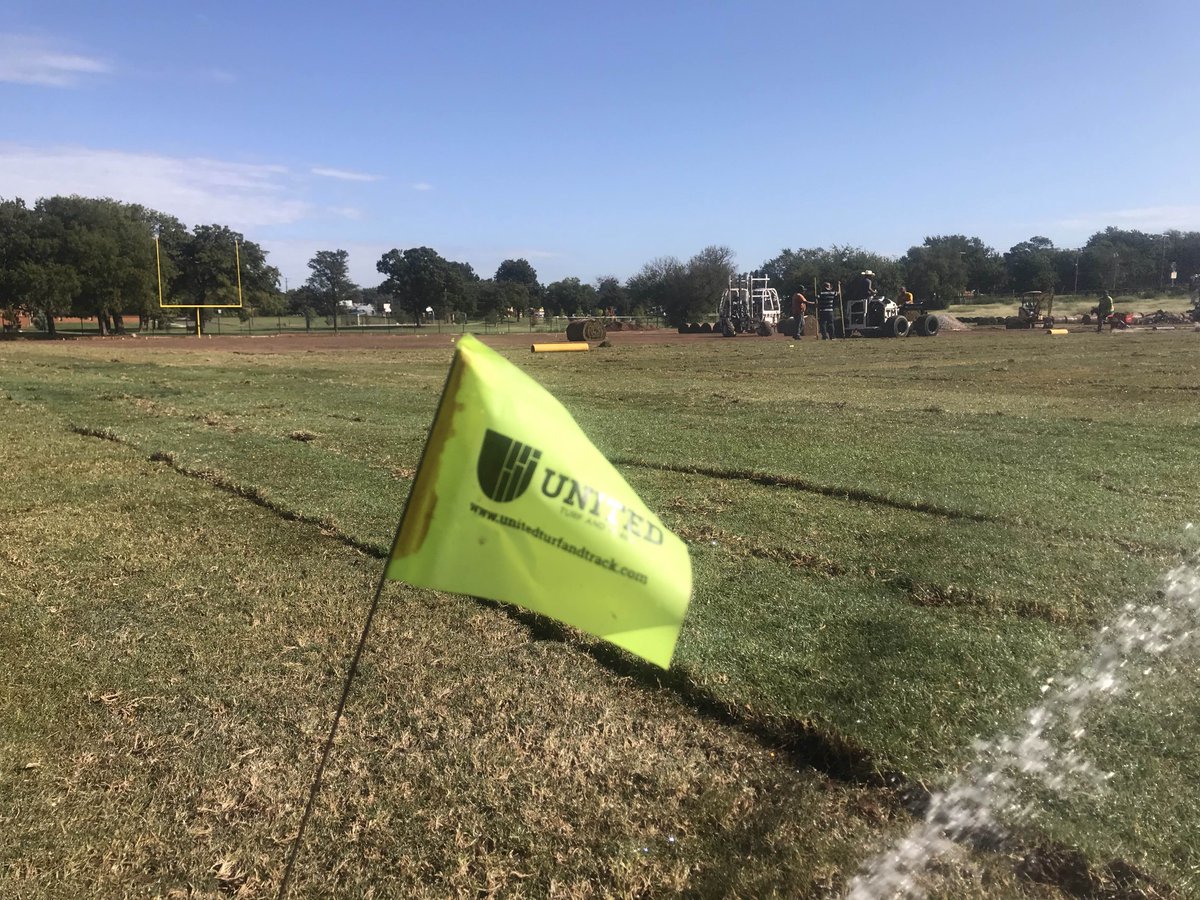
1045,751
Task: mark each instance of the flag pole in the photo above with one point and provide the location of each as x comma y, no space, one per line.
337,718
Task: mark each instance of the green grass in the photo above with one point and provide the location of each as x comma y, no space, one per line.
895,544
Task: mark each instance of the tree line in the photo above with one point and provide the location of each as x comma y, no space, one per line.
102,258
78,256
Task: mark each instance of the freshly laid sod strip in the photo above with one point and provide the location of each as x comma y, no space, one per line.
896,542
173,655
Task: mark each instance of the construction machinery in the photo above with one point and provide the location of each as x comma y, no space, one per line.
748,304
881,317
1034,311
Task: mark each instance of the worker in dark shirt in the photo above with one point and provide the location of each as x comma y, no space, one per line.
826,304
861,288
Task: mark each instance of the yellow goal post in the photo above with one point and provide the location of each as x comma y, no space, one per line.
237,262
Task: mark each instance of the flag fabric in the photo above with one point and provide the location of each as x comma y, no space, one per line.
513,503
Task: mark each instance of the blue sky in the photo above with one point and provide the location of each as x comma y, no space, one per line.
590,138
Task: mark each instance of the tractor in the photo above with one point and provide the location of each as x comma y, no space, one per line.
1034,310
881,317
748,304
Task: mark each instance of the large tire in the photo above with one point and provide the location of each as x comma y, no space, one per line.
927,326
727,329
705,328
575,330
763,329
897,327
683,329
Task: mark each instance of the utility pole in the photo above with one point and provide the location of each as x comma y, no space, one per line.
1162,263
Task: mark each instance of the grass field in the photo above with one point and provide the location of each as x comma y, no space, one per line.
896,544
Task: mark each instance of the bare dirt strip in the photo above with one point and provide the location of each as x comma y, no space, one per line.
425,340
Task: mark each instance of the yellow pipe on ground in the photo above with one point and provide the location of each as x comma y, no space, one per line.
1056,331
560,347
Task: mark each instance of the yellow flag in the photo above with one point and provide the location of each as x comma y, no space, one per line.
513,503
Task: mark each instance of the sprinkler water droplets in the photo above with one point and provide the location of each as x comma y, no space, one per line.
1046,751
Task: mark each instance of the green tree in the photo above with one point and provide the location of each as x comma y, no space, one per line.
461,295
519,284
707,277
569,296
610,294
302,301
172,235
16,255
493,299
108,246
684,292
1117,259
212,261
943,268
271,304
1030,265
798,270
518,271
420,278
49,288
330,282
662,284
1182,249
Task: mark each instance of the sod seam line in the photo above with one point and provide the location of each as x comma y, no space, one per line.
858,495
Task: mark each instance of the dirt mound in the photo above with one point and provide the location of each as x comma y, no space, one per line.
950,323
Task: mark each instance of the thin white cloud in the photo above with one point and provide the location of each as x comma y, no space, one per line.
342,174
1149,218
25,59
347,212
421,186
198,191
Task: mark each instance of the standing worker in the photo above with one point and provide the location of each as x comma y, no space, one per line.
799,308
826,303
1104,310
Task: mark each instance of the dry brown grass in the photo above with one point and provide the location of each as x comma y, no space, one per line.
174,652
